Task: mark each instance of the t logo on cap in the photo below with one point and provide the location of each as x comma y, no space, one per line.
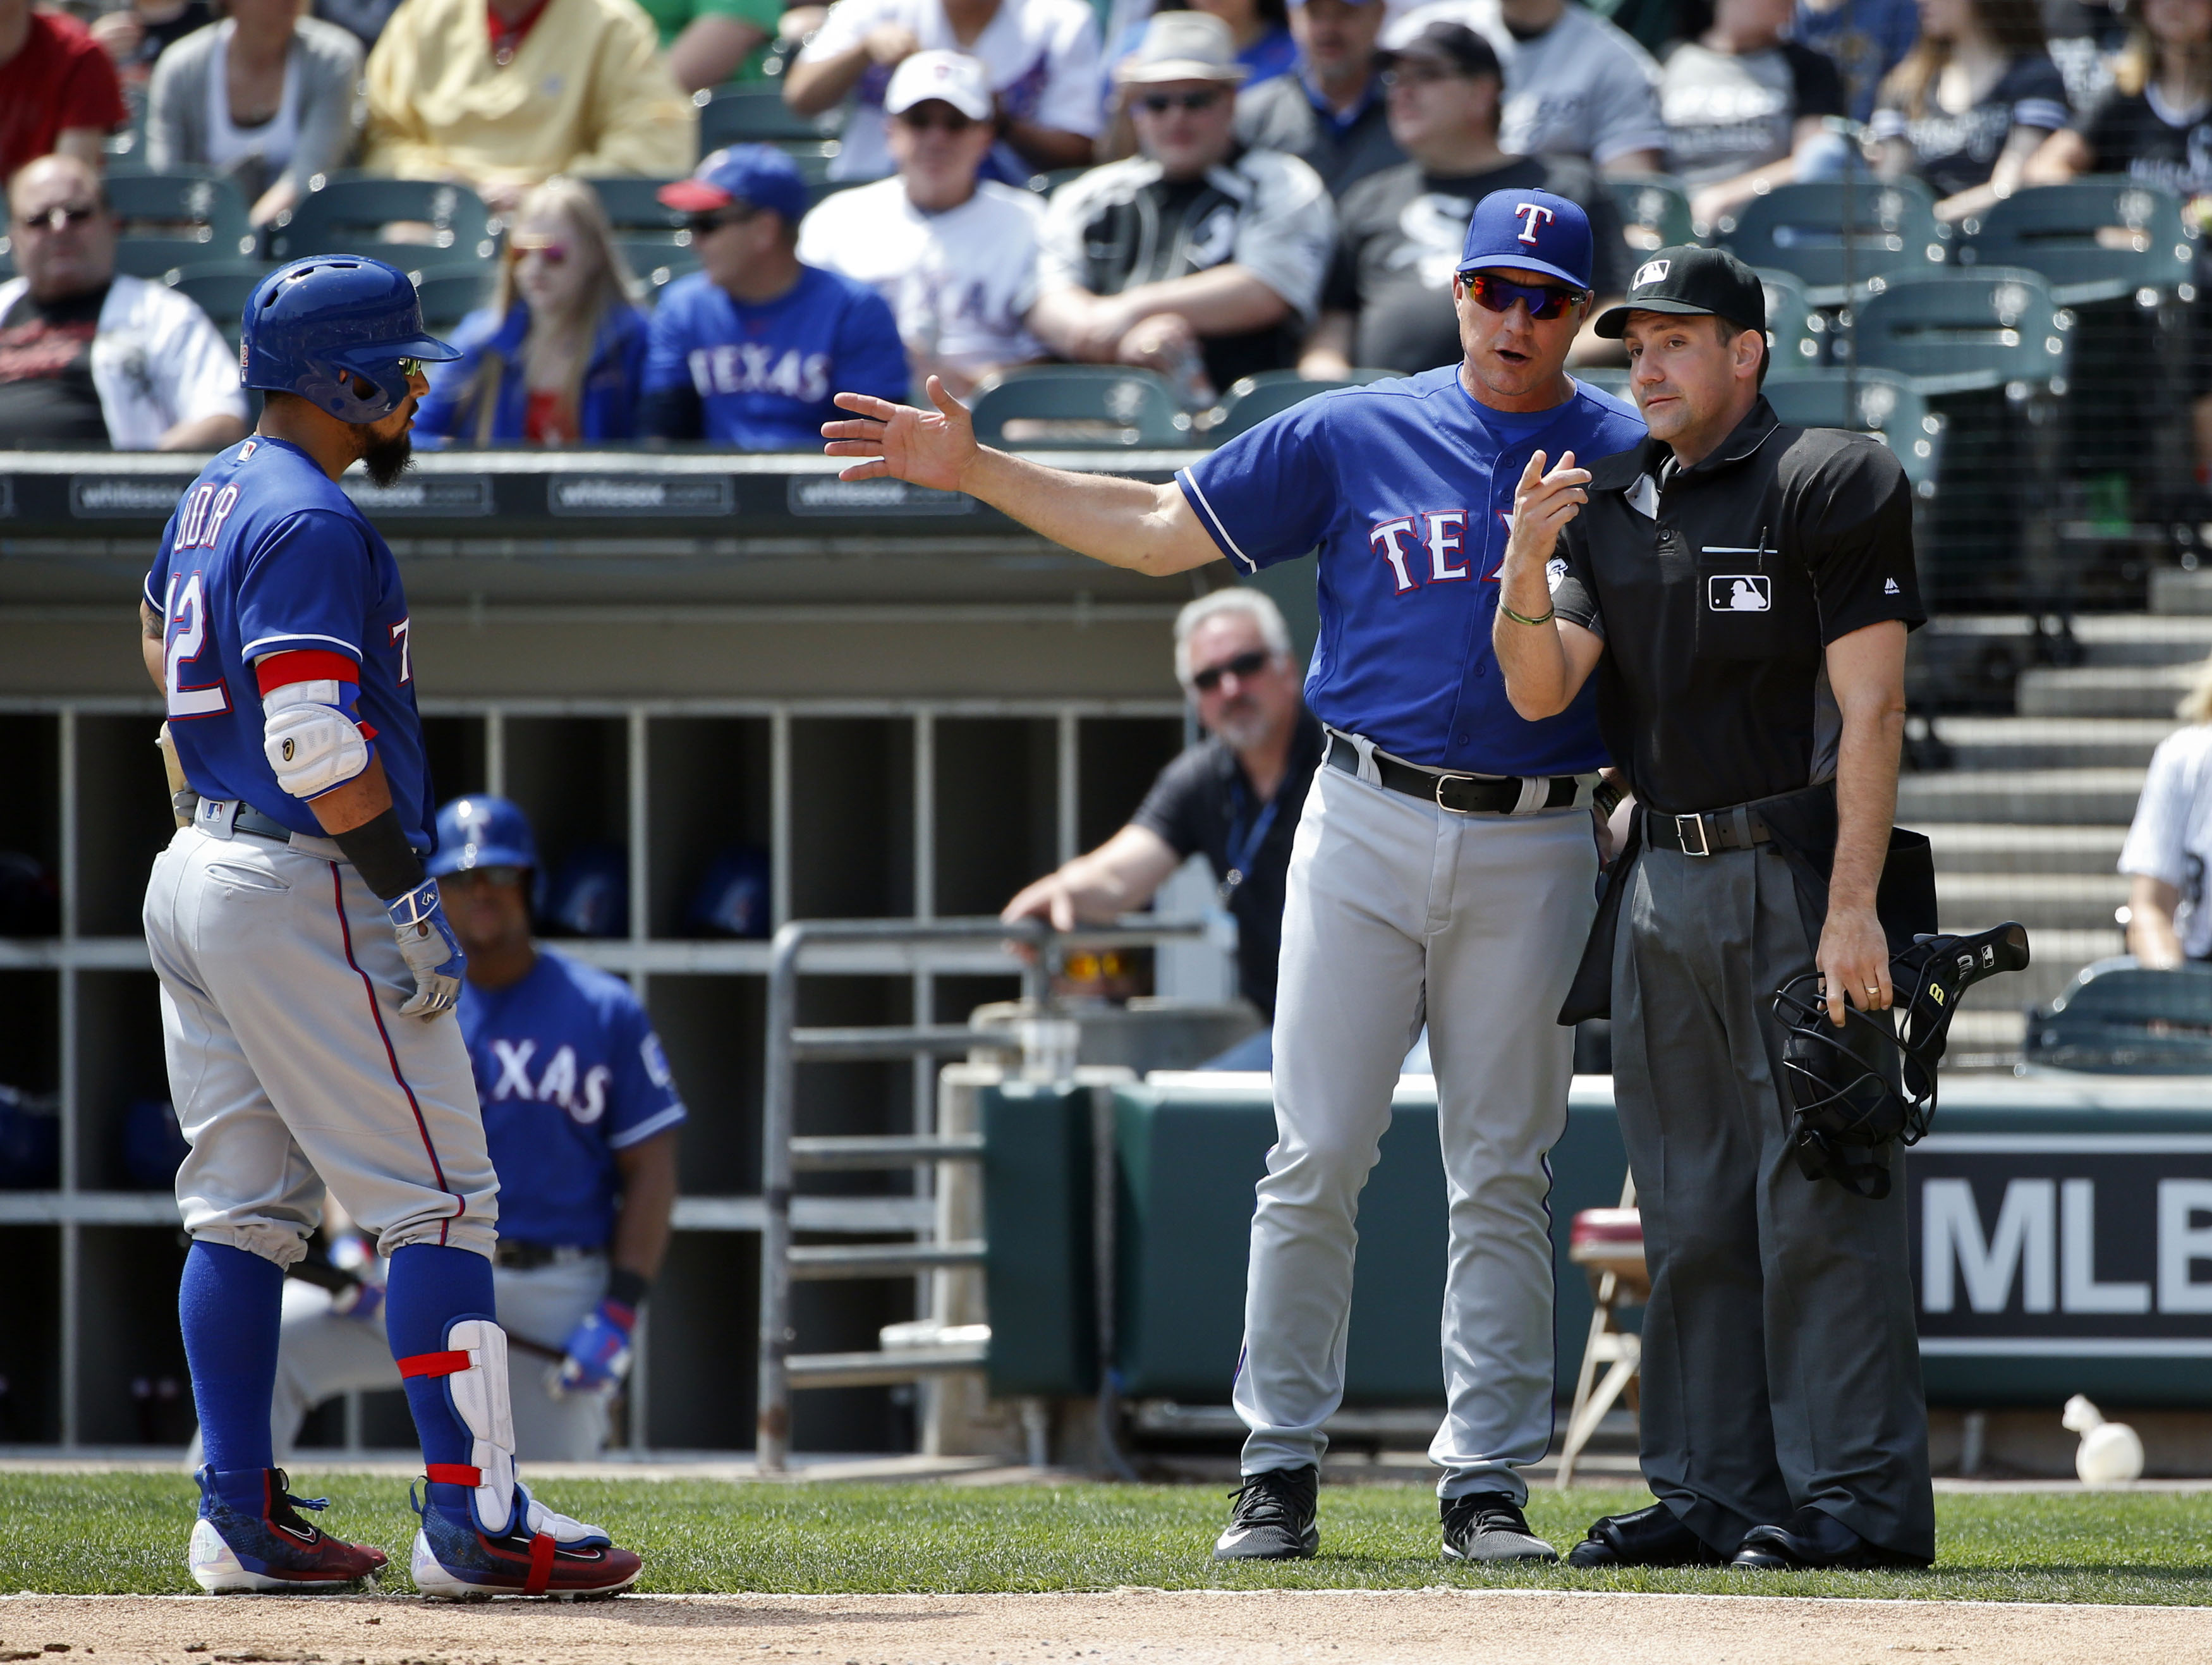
1529,213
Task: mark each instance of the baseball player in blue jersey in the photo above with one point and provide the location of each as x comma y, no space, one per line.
581,1116
1445,862
306,968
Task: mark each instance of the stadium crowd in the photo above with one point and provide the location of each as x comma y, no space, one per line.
1209,190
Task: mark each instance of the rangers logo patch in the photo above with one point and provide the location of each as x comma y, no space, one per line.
1650,272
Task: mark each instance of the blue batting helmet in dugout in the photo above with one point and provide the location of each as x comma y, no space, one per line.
482,831
312,325
1530,231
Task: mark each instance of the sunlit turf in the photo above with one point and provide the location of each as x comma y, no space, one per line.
124,1533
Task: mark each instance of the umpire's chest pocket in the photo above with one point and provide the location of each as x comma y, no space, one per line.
1747,607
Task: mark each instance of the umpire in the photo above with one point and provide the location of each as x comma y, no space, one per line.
1742,591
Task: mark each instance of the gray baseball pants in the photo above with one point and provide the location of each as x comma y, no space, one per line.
323,1354
289,1064
1398,909
1781,1364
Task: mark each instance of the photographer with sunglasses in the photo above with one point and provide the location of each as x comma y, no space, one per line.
1195,258
955,255
1445,862
1235,798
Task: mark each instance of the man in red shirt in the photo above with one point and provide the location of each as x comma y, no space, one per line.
59,90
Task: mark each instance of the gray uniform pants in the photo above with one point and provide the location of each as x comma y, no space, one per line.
1781,1363
1396,907
289,1064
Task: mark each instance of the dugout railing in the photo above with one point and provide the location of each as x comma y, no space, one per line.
1048,1048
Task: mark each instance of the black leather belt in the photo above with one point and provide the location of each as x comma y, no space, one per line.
517,1256
1462,794
245,818
1708,833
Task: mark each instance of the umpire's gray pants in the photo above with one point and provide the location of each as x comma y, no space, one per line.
1395,906
1781,1364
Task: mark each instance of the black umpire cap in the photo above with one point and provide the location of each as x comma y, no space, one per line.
1700,283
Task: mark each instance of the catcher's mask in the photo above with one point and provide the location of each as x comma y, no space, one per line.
1857,1089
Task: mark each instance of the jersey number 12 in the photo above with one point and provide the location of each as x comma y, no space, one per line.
187,639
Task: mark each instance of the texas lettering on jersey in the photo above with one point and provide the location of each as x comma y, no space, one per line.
749,367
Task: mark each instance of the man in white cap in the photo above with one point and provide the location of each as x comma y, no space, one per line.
1040,60
956,257
1194,257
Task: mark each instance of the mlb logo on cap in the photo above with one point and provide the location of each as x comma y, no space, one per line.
1530,231
1650,272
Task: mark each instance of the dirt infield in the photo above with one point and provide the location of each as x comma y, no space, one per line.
1186,1628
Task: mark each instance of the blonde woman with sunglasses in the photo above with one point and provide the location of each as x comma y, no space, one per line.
557,357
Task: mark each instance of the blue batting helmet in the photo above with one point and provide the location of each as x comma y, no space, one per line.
312,325
482,831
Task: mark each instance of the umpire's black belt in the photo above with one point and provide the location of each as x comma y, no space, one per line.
1739,828
1462,794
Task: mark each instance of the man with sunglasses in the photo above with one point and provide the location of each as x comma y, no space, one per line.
580,1115
1235,797
954,255
1194,258
1446,860
746,351
1388,303
94,358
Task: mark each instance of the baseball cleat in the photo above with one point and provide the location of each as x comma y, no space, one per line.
251,1539
1489,1525
539,1553
1274,1519
1653,1537
1813,1539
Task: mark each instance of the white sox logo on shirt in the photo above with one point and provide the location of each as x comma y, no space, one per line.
1530,214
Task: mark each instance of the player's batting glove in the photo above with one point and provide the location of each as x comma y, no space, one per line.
598,1350
433,954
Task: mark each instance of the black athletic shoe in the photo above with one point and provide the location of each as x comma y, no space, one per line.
1273,1520
1653,1537
1812,1538
1489,1525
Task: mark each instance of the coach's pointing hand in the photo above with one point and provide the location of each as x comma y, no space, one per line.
1543,503
901,443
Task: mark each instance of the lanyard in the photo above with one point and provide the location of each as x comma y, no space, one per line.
1242,854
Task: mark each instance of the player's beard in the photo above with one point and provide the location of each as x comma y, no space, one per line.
387,459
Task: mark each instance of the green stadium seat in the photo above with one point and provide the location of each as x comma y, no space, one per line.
1795,326
2093,239
449,295
222,289
636,211
1655,211
1080,407
1253,399
156,257
1953,331
1800,230
348,215
748,114
1872,402
204,206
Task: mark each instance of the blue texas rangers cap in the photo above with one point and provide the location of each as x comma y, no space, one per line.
1530,231
759,174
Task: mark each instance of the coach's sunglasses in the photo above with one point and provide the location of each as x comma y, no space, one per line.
1497,294
1242,667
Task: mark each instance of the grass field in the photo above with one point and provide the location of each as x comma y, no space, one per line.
124,1533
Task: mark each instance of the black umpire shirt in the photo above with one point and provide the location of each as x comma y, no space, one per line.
1202,801
1717,589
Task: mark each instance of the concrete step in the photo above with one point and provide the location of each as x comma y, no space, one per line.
2173,590
1970,847
1988,743
2054,797
2139,690
2118,639
2041,901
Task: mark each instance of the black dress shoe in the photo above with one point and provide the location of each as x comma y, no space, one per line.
1653,1537
1812,1538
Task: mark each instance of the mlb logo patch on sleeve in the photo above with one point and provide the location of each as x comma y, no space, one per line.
1740,592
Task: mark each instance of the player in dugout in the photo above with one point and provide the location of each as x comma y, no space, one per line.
1236,795
580,1114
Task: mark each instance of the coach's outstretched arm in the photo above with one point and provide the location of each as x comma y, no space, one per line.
1124,523
1545,659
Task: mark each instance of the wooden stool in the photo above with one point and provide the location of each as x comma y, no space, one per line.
1607,1243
